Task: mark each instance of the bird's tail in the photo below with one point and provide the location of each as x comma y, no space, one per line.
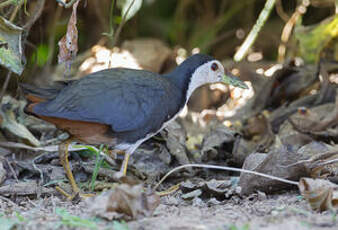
35,95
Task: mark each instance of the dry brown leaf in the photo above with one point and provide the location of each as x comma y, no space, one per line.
213,141
259,129
11,123
175,137
68,43
321,194
219,189
123,202
279,163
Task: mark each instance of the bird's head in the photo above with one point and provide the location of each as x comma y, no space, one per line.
208,70
217,73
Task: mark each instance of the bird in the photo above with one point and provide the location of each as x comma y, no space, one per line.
122,107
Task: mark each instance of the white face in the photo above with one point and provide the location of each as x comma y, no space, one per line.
210,72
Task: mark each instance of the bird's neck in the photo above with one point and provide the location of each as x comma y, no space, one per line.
181,77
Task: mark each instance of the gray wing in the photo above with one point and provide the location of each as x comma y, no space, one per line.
123,98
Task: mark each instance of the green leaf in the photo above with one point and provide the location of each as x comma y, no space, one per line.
313,39
75,221
10,46
40,56
129,8
20,217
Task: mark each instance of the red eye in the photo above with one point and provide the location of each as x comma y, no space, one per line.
214,67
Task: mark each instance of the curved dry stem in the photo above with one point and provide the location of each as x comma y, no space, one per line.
227,169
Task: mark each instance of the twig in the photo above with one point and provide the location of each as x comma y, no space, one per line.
288,29
15,11
12,170
123,21
35,15
9,201
250,39
50,148
4,86
38,169
281,12
5,3
330,162
225,168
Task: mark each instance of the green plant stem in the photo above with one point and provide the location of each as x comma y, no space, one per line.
123,21
112,8
98,163
250,39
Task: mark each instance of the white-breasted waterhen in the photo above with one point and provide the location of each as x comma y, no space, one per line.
123,107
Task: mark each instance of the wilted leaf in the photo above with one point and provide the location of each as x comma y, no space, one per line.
213,141
175,141
277,162
313,39
321,194
10,123
129,7
213,189
10,46
123,202
68,43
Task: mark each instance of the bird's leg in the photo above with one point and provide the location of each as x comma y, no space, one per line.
63,155
124,166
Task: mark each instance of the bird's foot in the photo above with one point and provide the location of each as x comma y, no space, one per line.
75,197
169,191
76,194
124,166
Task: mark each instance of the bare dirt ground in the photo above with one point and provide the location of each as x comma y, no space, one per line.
284,211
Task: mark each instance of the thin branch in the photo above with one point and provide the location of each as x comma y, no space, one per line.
35,15
15,11
281,12
8,200
250,39
112,9
5,3
286,33
228,169
124,19
12,170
